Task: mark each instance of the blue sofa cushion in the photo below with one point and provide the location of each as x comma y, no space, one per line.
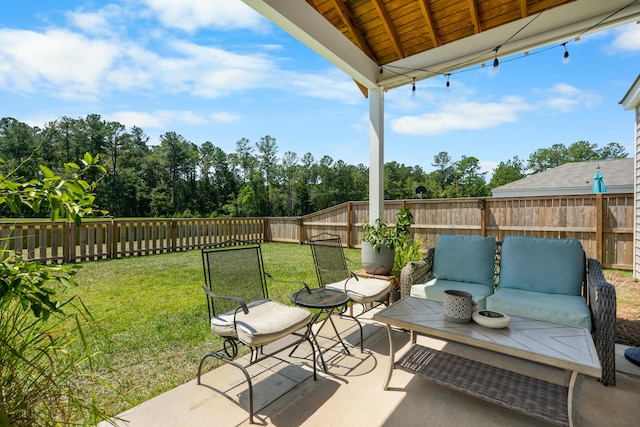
434,290
465,259
552,266
562,309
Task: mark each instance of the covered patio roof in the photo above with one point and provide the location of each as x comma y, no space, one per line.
383,44
389,42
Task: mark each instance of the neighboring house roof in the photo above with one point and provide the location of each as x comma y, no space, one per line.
572,178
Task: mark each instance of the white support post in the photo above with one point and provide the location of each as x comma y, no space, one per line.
376,153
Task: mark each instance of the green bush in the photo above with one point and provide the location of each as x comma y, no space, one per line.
44,379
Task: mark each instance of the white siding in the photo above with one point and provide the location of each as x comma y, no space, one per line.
636,246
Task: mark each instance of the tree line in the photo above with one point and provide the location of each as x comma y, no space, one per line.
180,178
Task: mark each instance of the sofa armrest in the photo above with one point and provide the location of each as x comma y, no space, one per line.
416,272
602,302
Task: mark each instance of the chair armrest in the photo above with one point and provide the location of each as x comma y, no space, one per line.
240,301
416,272
351,261
304,284
602,303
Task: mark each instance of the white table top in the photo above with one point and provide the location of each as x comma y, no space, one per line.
564,347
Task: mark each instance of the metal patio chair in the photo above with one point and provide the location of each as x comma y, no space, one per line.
332,272
240,310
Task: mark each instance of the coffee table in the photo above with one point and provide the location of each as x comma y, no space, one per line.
564,347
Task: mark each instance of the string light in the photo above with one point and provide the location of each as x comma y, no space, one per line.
565,59
496,61
402,71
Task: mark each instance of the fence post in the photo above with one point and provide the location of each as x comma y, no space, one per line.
265,229
173,235
483,217
66,242
300,230
112,240
599,229
349,225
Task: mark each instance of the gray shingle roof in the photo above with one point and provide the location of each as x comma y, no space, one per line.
572,178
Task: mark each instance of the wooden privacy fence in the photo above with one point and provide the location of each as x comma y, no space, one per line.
603,223
45,241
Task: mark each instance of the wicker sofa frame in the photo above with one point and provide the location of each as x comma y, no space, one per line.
599,294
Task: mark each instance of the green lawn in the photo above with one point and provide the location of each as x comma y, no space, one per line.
151,316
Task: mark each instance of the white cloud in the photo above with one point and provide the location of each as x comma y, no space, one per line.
100,22
211,72
160,119
627,38
225,117
189,15
461,116
69,63
488,167
101,59
565,98
332,85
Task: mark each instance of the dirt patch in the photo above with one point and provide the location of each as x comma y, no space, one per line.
627,307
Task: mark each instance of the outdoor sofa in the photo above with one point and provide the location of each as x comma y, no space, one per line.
536,278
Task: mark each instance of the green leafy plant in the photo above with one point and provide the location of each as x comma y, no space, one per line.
43,353
408,251
381,234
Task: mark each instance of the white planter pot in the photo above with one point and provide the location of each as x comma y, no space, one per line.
377,262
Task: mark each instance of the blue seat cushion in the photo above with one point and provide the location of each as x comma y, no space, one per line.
465,259
552,266
434,290
554,308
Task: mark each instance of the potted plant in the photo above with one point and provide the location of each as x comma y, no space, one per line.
381,240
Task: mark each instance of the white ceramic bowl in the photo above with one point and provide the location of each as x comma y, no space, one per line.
491,319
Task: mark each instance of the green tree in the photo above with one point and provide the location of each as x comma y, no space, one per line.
580,151
290,173
546,158
506,172
611,151
267,150
243,160
324,194
18,145
443,175
177,155
468,180
307,180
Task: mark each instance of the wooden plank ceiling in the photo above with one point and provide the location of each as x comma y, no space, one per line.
389,30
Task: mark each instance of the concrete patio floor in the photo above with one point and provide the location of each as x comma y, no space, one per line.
351,393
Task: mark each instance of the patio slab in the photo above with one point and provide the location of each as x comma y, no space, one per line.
351,392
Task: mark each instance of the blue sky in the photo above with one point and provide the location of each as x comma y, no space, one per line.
214,70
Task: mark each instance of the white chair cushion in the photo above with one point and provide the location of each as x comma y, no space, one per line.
364,290
266,322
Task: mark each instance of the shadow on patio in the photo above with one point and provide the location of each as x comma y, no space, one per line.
351,392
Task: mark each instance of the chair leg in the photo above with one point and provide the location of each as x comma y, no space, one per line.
306,337
237,365
355,319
